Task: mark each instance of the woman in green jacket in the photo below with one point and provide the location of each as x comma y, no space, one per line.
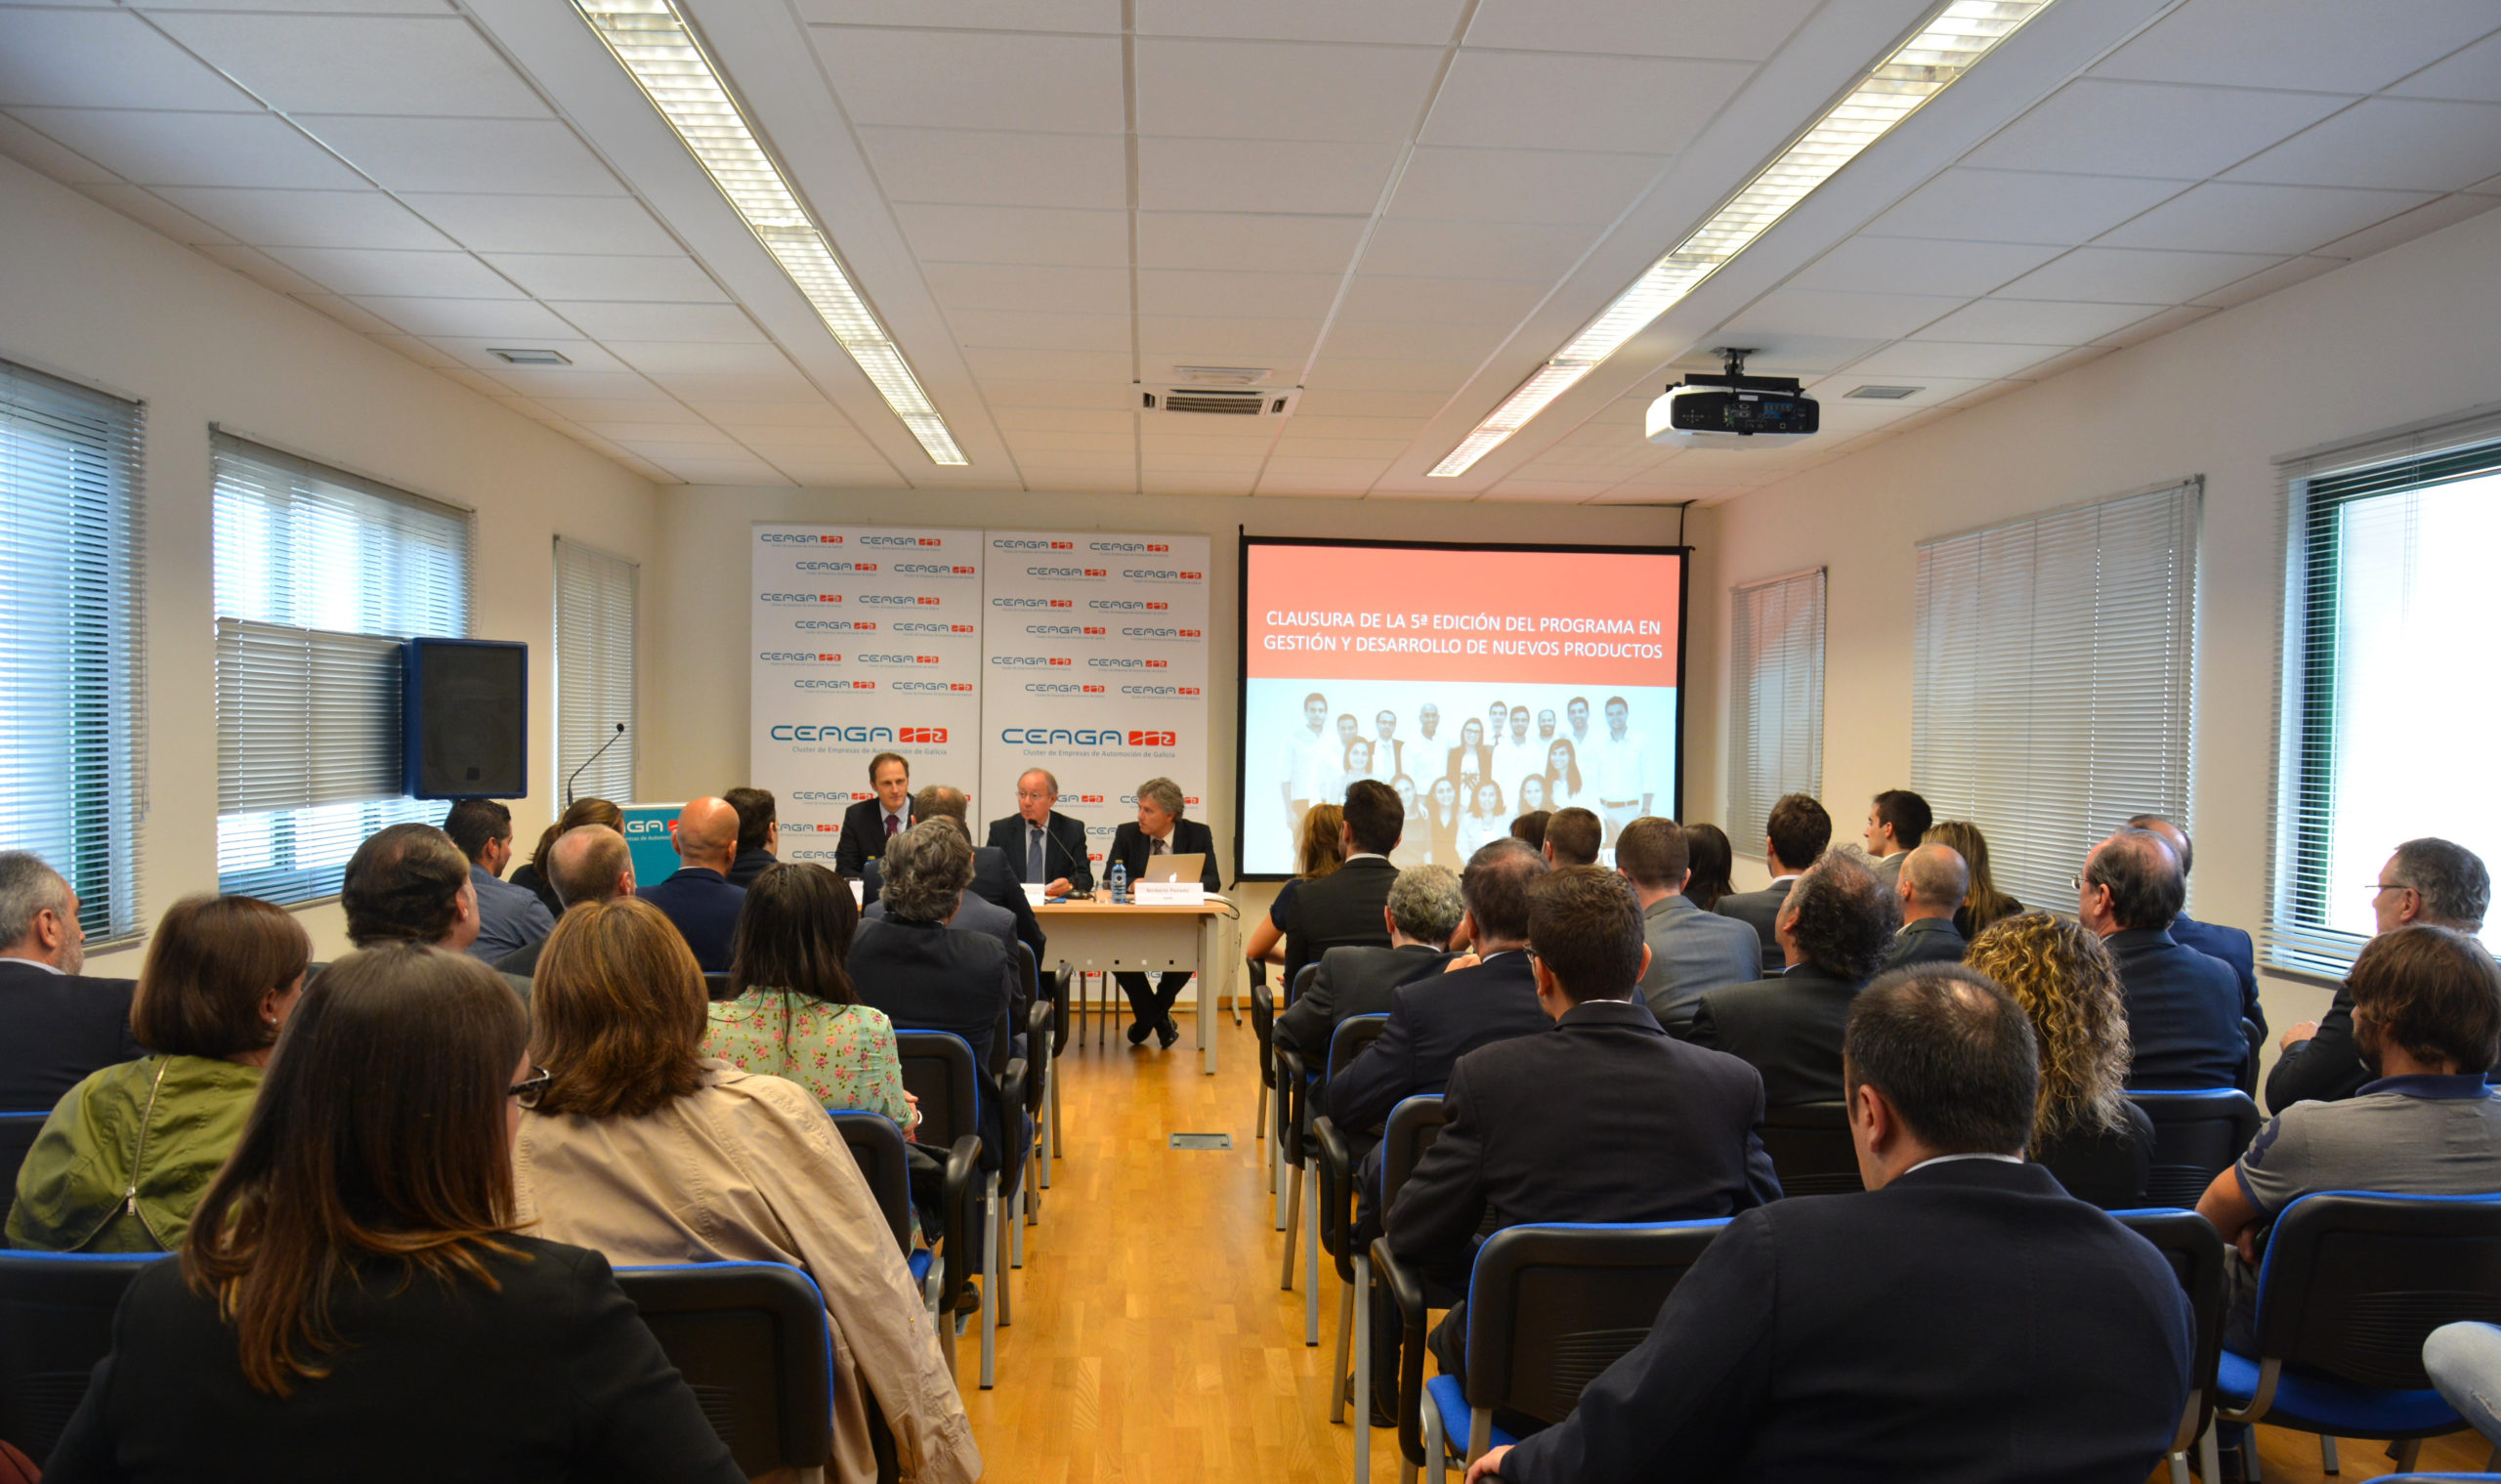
129,1152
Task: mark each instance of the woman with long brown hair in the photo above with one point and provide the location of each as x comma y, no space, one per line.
1983,904
650,1151
534,874
355,1298
2083,1130
793,1011
1322,851
1711,859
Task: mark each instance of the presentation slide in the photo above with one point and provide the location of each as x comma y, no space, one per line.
1481,682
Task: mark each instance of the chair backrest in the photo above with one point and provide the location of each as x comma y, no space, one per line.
2198,1135
1301,982
1264,1024
55,1322
1809,1146
750,1340
885,1162
17,1132
1413,1126
2257,1039
1347,1041
716,986
1550,1306
2189,1242
938,1069
1032,971
2354,1280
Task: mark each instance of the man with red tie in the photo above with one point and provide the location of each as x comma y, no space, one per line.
868,826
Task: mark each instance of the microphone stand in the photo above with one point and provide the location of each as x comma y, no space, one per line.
587,761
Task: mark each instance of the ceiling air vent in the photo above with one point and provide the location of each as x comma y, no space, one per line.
530,357
1218,401
1885,393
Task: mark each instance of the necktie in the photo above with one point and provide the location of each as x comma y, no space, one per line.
1034,866
1158,850
890,827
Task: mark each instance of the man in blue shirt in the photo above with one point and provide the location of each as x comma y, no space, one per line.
509,917
699,898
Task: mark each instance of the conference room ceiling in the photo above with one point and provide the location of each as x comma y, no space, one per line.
1404,206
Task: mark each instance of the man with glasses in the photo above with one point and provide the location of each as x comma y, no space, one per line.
1046,848
2183,1007
2429,880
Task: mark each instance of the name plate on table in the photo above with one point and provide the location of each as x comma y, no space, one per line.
1033,892
1169,893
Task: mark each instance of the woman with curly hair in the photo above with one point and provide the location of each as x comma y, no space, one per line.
2083,1130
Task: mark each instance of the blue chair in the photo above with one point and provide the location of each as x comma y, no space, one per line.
2189,1242
938,1068
1413,1126
1810,1148
750,1340
17,1132
885,1162
1336,1195
55,1322
2198,1135
2351,1284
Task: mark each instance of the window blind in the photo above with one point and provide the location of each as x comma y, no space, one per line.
319,575
595,606
2053,680
73,708
1776,700
2393,543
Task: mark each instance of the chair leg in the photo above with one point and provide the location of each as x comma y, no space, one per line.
1277,1178
1480,1431
1005,1234
1346,1340
1293,1223
1362,1368
1436,1452
1017,1220
2180,1468
1059,1151
1312,1268
1259,1119
2405,1453
941,1321
990,1282
2327,1455
2210,1457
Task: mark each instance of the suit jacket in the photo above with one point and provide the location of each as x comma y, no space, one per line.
705,907
1343,908
1896,1335
1657,1131
2327,1068
994,886
1928,940
509,917
1693,951
1353,980
1433,1024
1888,869
2234,948
550,1374
751,864
1062,853
864,835
1789,1027
927,976
1130,846
2183,1013
1759,910
57,1028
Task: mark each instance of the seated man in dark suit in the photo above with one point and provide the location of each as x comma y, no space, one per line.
759,834
1043,846
870,824
1656,1130
408,883
993,904
1931,880
1795,837
1424,911
698,897
1344,907
1572,837
2183,1007
1906,1332
588,863
57,1025
1159,831
2232,945
1834,929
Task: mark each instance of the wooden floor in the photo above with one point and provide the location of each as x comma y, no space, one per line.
1151,1341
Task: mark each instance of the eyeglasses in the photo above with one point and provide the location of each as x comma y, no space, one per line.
531,1089
2380,886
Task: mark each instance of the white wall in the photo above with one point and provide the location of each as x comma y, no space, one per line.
91,296
2379,344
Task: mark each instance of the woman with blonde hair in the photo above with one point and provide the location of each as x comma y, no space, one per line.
1322,851
643,1148
2083,1130
1983,904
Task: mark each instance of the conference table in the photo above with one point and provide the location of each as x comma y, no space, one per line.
1104,937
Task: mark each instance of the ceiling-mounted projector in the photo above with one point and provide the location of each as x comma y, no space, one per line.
1733,410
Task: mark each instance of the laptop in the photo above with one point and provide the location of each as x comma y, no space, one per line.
1183,868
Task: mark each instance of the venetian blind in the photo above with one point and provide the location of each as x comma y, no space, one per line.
1776,700
595,605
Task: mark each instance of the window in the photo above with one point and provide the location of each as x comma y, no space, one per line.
319,575
594,672
74,746
2052,683
1776,700
2386,733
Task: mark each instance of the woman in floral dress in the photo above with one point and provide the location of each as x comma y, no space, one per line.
793,1012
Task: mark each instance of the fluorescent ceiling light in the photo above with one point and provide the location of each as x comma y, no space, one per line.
1953,41
651,40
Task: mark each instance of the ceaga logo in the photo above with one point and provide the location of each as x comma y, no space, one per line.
933,570
795,538
800,597
1085,737
1128,605
1160,574
796,656
797,731
1124,662
902,541
1032,603
1012,543
1158,547
837,626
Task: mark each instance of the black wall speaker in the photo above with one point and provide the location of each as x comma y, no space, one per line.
465,719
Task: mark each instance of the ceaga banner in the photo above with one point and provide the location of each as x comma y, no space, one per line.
865,639
1094,654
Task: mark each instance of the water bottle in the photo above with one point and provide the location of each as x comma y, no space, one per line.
1120,882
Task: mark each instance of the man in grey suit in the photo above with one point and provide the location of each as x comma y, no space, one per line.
1359,979
1795,835
1931,882
1691,950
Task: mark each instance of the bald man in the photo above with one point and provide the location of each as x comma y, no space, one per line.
1931,880
588,863
699,898
2183,1007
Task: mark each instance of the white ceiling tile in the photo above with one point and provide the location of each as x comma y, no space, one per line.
1520,185
1010,364
1392,297
1539,250
1749,32
1035,330
478,352
1283,344
982,167
733,472
1026,444
1346,373
1291,446
647,409
2100,126
664,357
1285,244
1098,15
1017,234
2326,46
418,350
104,58
1341,404
1808,311
1198,463
1050,393
1272,296
1282,89
499,319
975,80
154,149
2446,211
1303,425
427,65
1421,23
155,213
1867,264
1834,391
608,321
2036,321
1302,175
358,273
2265,281
1192,436
1526,99
1414,340
667,430
323,7
1010,285
1359,471
2472,75
2154,326
258,267
741,417
1017,420
2399,143
611,278
516,156
309,217
2136,276
589,225
551,383
2218,217
1916,360
1776,352
2020,206
698,387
